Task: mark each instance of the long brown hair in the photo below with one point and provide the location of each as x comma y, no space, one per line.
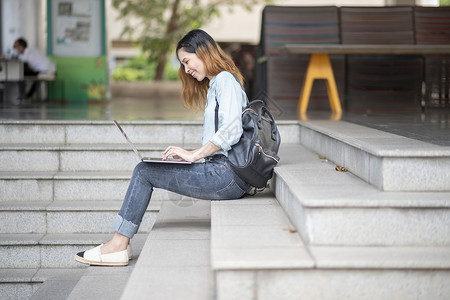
193,92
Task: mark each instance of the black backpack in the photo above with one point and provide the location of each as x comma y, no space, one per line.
256,154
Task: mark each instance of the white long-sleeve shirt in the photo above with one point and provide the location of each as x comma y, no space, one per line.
232,100
37,61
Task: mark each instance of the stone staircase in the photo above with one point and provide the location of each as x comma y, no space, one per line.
362,236
61,185
379,231
350,240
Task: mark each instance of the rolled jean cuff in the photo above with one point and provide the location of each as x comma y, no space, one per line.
124,227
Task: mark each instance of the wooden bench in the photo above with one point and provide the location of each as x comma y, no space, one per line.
12,72
50,80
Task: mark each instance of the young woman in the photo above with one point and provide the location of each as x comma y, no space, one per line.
208,76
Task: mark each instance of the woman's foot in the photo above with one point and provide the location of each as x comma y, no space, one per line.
116,252
96,258
112,246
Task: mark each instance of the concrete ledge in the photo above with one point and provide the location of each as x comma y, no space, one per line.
333,284
145,89
331,208
387,161
256,254
407,258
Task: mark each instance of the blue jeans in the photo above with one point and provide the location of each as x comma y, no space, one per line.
212,180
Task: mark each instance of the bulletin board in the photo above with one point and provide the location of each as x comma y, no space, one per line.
76,42
76,28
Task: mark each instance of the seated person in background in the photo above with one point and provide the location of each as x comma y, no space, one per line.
35,62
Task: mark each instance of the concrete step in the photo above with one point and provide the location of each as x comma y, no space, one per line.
104,132
66,216
69,186
248,236
58,283
175,262
102,283
254,232
98,132
387,161
256,253
112,280
52,146
34,251
78,157
24,283
332,208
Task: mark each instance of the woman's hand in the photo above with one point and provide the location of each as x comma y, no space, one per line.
178,152
193,155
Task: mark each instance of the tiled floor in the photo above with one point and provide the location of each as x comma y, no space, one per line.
120,109
433,126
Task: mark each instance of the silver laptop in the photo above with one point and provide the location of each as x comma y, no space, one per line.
149,159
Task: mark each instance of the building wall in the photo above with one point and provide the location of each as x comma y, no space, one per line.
20,18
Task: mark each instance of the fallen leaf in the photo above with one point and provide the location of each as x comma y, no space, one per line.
291,230
341,169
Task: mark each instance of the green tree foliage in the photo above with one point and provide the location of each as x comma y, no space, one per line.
444,2
139,69
163,22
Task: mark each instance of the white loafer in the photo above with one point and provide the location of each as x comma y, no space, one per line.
130,252
94,257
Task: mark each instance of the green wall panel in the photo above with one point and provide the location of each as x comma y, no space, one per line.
85,78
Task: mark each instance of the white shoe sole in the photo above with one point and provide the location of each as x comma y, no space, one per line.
99,263
95,258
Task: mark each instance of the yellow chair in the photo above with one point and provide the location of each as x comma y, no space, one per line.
319,68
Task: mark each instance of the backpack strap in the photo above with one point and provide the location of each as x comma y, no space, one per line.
216,119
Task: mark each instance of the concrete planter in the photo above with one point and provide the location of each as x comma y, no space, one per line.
145,89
